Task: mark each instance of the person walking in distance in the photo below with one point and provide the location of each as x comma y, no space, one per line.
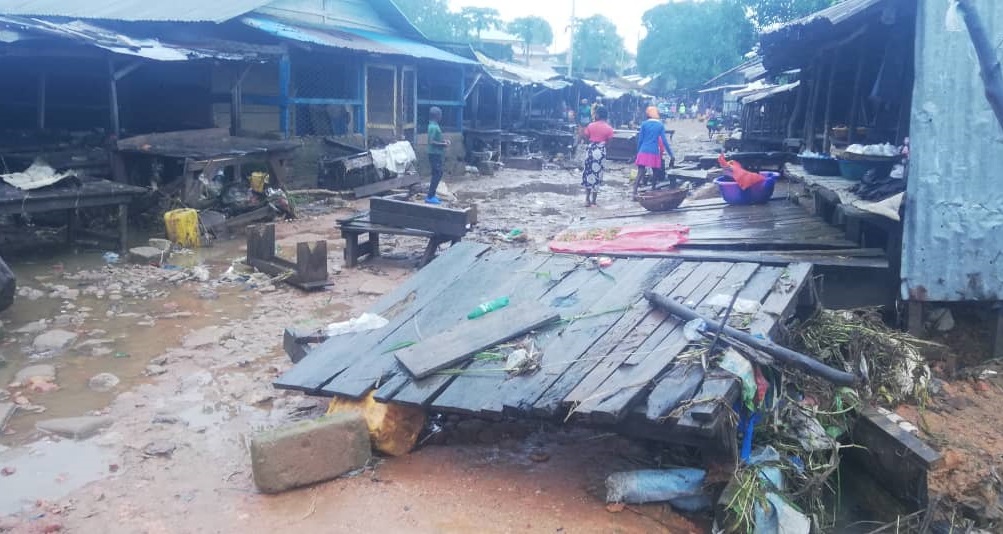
651,141
436,153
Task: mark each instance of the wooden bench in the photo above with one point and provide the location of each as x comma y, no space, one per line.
395,217
308,273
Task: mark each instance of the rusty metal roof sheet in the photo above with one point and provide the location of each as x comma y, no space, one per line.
952,244
14,29
134,10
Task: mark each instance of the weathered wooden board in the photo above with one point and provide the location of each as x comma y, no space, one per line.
672,390
338,353
441,221
468,338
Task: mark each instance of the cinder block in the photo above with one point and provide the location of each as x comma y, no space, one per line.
309,452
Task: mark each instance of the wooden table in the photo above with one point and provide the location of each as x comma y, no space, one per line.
68,197
360,225
200,153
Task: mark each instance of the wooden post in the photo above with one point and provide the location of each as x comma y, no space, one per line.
855,106
237,101
285,80
501,103
828,100
798,108
113,98
41,100
123,228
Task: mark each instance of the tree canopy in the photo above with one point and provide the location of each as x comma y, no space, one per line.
479,19
435,20
767,12
531,31
691,42
597,45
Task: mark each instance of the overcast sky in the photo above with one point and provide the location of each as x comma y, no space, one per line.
625,13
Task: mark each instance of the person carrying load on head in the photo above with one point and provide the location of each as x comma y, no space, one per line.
649,154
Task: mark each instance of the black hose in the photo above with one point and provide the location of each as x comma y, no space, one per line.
782,354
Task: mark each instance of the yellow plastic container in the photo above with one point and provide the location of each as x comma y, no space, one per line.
258,181
183,227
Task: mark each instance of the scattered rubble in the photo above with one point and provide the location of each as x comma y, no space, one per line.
75,427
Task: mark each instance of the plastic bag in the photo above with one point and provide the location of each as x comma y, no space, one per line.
366,321
743,178
682,487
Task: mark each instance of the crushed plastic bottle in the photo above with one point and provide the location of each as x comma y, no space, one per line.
488,307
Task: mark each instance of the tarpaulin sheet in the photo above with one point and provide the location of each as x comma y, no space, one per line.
652,238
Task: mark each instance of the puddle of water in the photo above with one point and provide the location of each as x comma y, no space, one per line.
49,470
128,348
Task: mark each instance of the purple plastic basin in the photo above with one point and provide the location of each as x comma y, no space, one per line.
760,193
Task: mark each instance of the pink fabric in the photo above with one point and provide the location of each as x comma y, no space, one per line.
599,132
637,239
651,161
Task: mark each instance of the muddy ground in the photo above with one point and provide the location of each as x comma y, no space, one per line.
194,347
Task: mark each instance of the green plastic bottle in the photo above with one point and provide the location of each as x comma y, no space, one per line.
488,307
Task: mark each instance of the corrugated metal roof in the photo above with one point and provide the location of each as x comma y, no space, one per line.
353,39
134,10
520,74
14,29
953,244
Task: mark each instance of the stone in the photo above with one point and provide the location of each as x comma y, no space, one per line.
44,372
148,255
3,361
75,427
53,340
159,360
155,370
166,419
7,410
207,294
210,335
103,383
159,448
33,327
309,452
160,244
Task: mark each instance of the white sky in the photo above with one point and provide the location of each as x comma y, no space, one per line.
625,13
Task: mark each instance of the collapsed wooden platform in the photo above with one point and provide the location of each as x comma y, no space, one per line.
777,233
608,363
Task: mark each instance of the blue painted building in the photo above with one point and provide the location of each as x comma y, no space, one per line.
285,67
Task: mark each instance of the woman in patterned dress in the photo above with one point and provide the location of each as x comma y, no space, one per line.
597,133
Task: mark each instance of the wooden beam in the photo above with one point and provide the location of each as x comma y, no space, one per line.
113,99
41,100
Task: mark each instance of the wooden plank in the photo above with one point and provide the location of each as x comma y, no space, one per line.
443,221
468,338
601,302
627,385
713,398
561,361
449,307
613,349
848,258
782,301
336,354
403,180
576,288
677,386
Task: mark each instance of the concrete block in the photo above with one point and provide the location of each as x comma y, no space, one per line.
309,452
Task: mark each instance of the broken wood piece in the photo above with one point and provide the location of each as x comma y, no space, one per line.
714,397
308,273
296,342
782,354
442,221
472,336
676,387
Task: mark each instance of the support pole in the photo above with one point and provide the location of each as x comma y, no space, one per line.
41,100
828,101
113,98
285,80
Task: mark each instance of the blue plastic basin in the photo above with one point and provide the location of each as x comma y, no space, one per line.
760,193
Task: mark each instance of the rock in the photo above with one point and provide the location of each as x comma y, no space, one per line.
97,352
7,410
160,244
207,294
159,360
53,340
210,335
103,382
43,372
159,448
165,419
33,327
148,255
3,361
309,452
29,293
155,370
75,427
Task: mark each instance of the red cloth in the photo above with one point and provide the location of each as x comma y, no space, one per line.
743,178
599,132
646,238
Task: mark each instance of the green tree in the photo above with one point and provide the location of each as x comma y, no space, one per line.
597,45
479,19
531,31
435,20
692,41
768,12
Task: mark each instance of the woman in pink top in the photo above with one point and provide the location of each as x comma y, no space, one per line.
597,133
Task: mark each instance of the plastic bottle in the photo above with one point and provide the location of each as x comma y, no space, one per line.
488,307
